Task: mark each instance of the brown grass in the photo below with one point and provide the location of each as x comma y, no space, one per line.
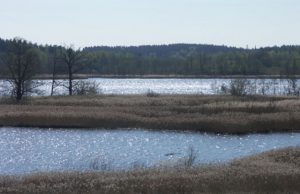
218,114
271,172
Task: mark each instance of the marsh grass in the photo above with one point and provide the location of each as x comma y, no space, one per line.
216,114
190,159
270,172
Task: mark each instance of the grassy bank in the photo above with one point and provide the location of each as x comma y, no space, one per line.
271,172
217,114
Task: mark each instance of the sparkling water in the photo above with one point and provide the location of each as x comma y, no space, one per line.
26,150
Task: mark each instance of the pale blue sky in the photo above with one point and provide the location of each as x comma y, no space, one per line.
138,22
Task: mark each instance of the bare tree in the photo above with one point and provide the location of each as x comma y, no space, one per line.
72,58
274,85
54,61
292,86
21,61
264,87
1,75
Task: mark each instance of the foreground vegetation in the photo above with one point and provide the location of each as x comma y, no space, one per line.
271,172
217,114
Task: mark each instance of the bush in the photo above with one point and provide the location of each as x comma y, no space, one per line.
151,93
236,87
239,87
83,88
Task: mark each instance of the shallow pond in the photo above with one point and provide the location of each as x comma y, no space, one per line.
26,150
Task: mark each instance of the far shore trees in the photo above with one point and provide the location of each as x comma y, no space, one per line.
21,62
176,60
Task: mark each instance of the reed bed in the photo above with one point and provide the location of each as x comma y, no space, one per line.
270,172
216,114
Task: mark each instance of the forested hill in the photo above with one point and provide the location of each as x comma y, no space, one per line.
193,59
175,59
164,50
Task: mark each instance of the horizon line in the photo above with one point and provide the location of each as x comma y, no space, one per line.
247,47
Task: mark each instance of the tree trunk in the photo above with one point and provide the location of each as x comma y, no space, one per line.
70,82
53,74
19,93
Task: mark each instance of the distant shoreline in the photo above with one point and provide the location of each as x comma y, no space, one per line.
151,76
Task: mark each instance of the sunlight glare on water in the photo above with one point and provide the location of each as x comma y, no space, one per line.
164,86
25,150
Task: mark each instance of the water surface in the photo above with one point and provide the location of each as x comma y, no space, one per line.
26,150
169,86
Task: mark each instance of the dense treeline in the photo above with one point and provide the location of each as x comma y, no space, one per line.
182,59
195,60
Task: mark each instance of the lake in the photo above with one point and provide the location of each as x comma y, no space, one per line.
168,86
27,150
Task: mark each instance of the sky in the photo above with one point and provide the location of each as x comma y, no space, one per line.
239,23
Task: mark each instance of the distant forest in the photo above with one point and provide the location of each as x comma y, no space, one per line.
174,59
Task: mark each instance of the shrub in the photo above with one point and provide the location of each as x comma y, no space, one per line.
83,88
239,87
151,93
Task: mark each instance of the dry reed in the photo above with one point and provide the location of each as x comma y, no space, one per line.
217,114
